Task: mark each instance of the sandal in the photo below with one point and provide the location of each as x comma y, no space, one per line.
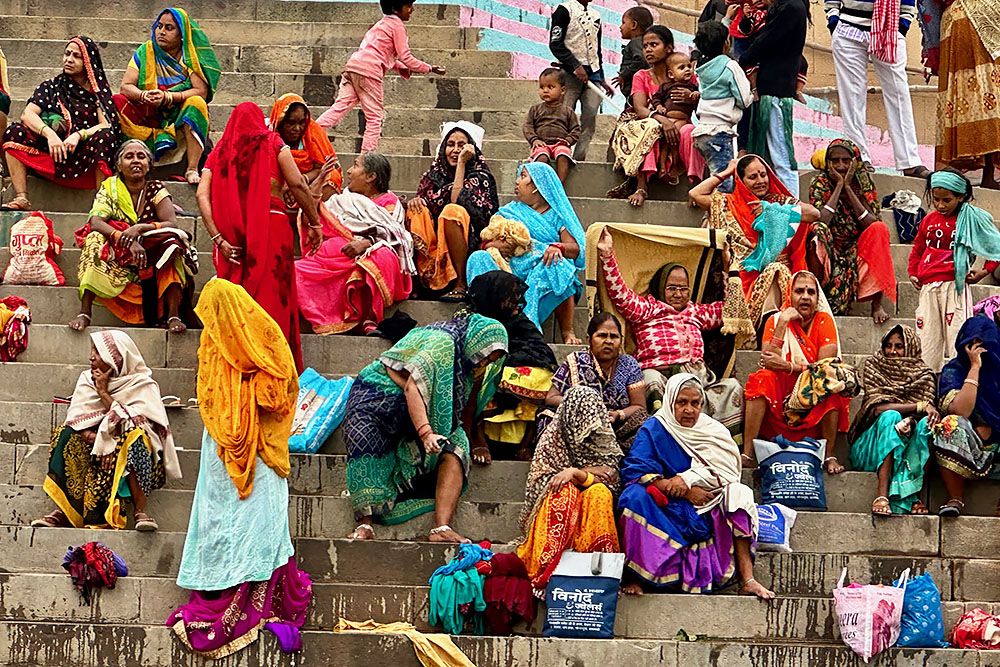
951,509
623,190
145,523
19,203
920,171
455,296
362,528
171,401
880,507
57,519
919,509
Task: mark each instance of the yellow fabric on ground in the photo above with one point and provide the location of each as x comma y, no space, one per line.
432,649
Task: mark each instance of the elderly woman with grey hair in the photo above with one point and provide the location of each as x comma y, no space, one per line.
365,263
135,261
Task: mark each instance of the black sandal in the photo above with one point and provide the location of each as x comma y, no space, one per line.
455,296
951,509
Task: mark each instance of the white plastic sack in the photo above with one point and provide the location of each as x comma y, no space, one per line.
775,527
869,616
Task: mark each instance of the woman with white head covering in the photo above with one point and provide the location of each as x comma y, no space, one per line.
687,522
115,444
454,202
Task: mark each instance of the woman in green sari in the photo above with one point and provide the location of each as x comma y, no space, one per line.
409,416
166,90
891,434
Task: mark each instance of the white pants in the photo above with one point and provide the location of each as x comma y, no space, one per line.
850,62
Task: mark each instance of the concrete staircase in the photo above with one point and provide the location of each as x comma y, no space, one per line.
269,47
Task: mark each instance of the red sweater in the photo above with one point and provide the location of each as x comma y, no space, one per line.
931,258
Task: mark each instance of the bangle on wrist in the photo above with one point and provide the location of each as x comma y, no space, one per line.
831,210
215,239
974,383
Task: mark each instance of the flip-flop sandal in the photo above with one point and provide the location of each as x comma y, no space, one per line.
880,507
951,509
56,519
145,523
171,401
455,296
919,509
18,203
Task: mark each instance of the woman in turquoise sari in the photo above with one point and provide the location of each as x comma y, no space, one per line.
167,87
409,416
550,267
891,434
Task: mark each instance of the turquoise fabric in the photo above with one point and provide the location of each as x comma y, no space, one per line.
775,227
909,457
450,591
716,80
975,235
232,541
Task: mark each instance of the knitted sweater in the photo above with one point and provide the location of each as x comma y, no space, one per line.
858,13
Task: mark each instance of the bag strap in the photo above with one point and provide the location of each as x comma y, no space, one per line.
595,563
904,578
843,575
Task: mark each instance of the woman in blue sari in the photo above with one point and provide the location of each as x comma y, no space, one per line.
687,522
967,441
550,267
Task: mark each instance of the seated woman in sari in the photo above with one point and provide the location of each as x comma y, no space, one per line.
409,418
139,274
311,148
569,500
799,359
967,439
68,132
891,433
166,90
688,523
509,419
454,202
851,240
115,445
765,254
550,268
366,262
606,369
238,560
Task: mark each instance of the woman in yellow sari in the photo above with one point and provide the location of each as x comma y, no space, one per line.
569,500
168,84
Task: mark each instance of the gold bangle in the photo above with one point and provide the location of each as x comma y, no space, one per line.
974,383
589,481
921,406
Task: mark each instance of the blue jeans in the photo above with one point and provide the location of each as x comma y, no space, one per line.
777,146
718,152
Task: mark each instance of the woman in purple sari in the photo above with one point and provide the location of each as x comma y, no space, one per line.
687,522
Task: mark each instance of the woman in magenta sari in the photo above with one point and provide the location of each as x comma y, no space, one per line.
366,262
240,197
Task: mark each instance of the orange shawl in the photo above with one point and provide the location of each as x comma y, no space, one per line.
247,384
316,146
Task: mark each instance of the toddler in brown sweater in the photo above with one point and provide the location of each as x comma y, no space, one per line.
552,128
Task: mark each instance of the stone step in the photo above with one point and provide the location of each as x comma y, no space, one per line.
815,532
503,481
48,644
252,10
333,32
412,563
151,600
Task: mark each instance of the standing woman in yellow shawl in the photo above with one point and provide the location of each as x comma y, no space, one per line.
238,544
311,148
167,88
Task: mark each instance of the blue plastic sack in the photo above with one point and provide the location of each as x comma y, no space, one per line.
791,473
319,410
923,623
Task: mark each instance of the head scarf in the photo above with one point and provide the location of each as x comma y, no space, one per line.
541,229
500,295
955,371
316,146
823,185
137,402
247,383
715,456
479,192
579,436
790,348
905,379
158,69
742,200
975,231
663,274
72,97
442,358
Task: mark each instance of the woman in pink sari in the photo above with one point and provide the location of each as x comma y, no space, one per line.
365,263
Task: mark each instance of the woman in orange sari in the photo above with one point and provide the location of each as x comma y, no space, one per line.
765,275
795,339
311,148
241,206
366,262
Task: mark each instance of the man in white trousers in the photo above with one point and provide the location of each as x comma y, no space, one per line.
875,31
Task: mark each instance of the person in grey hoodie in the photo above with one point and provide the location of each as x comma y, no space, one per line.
725,93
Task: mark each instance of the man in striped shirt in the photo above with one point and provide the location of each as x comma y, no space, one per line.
875,31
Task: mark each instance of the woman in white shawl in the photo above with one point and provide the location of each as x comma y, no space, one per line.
366,261
115,445
687,522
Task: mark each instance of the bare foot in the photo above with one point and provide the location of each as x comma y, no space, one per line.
176,325
919,508
447,535
753,587
632,589
748,461
570,338
832,466
192,177
364,531
80,322
638,198
879,316
481,455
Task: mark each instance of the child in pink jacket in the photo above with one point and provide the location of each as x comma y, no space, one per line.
384,47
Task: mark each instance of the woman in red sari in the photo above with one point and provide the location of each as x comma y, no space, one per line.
241,206
801,334
366,262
